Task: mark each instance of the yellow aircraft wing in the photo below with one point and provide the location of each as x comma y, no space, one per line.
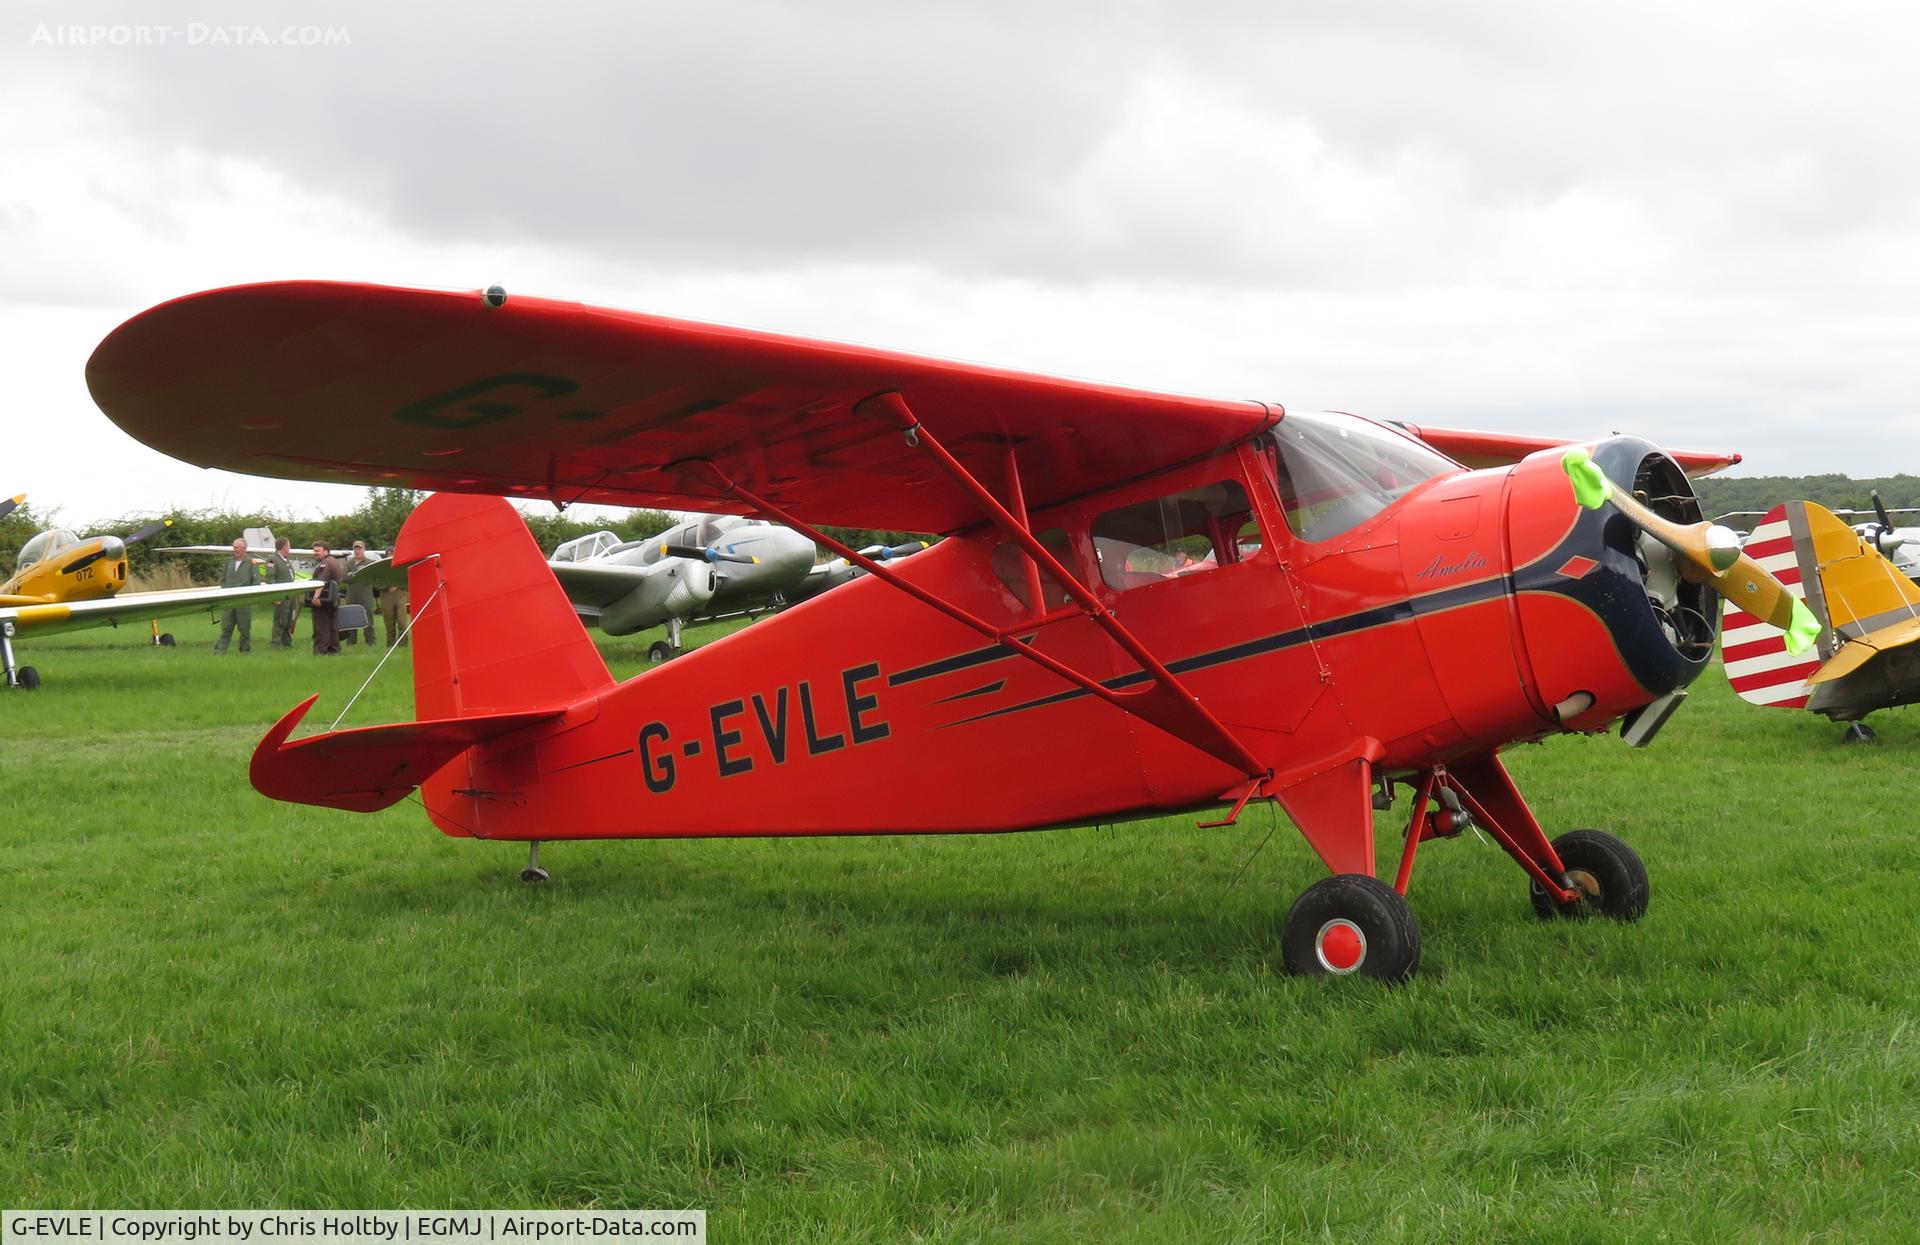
51,618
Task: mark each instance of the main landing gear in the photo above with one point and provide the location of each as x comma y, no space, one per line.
22,678
1860,733
161,639
1353,924
1607,874
665,650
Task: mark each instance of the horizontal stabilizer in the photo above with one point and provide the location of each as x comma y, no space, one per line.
1857,652
373,767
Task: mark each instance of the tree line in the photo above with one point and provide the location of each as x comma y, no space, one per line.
377,521
1720,495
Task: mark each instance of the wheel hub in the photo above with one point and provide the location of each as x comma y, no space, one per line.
1340,946
1584,882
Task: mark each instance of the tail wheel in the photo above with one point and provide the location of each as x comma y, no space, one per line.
1351,924
1608,874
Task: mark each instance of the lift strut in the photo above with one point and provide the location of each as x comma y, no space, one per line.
1164,702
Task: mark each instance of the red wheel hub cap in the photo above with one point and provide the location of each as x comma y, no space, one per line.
1340,946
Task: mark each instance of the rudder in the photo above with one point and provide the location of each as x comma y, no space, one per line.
1758,665
493,631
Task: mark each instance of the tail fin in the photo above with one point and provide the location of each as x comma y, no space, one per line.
1856,590
492,630
1848,584
1758,664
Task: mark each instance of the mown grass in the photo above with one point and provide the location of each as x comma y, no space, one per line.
208,999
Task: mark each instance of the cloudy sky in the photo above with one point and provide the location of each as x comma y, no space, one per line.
1697,222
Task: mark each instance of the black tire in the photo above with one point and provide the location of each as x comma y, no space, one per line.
659,651
29,679
166,639
1860,733
1608,873
1324,924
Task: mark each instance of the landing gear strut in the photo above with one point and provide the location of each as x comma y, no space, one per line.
25,678
664,650
533,872
1860,733
161,639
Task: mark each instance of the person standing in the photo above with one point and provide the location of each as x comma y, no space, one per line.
280,571
359,592
393,613
324,603
240,573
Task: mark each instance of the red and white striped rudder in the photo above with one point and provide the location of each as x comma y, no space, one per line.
1758,664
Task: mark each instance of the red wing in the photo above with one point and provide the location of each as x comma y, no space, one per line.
536,398
1500,449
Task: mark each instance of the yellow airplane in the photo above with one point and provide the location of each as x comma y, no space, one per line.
1868,607
65,582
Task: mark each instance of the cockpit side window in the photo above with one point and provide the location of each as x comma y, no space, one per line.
1197,529
1010,568
1337,471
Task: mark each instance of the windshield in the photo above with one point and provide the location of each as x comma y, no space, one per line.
1338,471
586,548
44,546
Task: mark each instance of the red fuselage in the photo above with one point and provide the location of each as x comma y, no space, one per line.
1454,621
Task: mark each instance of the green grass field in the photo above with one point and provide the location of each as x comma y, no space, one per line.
211,1000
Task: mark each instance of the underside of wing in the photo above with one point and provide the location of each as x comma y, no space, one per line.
542,399
74,616
1500,449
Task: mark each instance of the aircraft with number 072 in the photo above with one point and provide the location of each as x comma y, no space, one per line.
1145,603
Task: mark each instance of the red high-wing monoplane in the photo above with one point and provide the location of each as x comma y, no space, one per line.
1145,603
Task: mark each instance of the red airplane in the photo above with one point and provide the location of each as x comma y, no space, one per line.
1145,603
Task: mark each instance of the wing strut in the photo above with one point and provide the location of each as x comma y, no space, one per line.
1165,702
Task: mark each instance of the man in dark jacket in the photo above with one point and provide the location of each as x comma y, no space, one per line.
280,571
325,601
240,573
359,591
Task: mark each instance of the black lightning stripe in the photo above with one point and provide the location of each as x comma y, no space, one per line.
1365,620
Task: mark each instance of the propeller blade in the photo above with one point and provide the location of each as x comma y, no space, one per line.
10,505
1883,538
887,553
707,555
149,531
1706,553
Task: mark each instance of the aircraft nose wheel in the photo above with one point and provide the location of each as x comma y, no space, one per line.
1608,874
1351,924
